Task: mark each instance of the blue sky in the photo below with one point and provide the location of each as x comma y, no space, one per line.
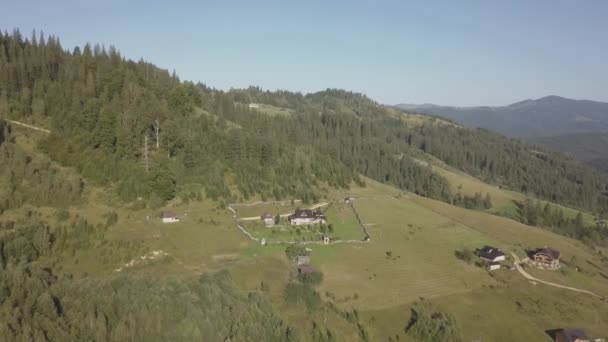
450,52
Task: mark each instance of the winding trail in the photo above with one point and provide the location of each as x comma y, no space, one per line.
532,278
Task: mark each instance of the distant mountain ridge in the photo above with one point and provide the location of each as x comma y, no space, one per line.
547,116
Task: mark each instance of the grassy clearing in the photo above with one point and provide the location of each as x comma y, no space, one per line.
411,254
340,215
503,200
519,237
272,110
344,222
283,231
273,269
414,120
468,185
205,239
516,310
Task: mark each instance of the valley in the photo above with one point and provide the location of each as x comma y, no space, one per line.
156,209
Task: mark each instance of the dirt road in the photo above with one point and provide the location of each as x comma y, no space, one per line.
530,277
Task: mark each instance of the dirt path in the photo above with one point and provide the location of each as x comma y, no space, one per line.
532,278
318,205
263,202
28,126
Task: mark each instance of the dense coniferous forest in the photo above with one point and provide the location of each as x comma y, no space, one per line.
138,128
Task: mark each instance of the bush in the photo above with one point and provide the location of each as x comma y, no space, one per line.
295,250
302,293
465,255
62,215
429,324
312,279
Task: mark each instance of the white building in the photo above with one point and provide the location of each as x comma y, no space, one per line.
306,216
267,219
494,266
169,218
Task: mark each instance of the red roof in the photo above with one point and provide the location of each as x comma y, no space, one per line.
306,269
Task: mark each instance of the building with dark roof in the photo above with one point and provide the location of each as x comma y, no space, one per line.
490,253
571,335
268,219
169,217
306,216
306,269
546,257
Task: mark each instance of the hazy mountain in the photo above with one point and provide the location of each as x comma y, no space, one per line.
547,116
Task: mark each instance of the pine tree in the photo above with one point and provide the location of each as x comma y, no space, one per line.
487,202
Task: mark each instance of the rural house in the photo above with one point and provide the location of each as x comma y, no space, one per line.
571,335
168,217
267,219
306,216
302,260
306,269
546,258
490,254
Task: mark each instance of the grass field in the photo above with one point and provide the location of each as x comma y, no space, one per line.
283,231
503,200
410,255
498,307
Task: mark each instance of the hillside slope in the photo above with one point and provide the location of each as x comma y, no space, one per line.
81,239
591,148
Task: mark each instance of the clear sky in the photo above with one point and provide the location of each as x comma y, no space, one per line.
450,52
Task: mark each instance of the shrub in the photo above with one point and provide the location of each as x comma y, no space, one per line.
295,250
427,323
465,255
312,279
302,293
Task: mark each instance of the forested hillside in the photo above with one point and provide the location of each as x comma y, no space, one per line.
137,128
39,305
591,148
